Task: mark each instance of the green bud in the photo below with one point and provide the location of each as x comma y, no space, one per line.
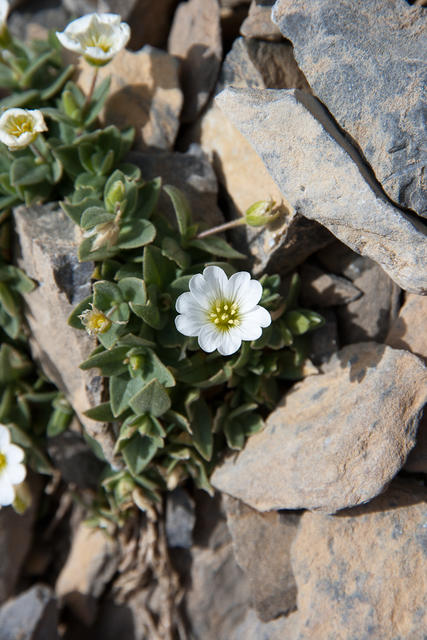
260,213
70,105
124,488
115,195
136,362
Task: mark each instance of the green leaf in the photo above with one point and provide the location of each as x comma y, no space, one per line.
156,268
173,417
24,172
138,452
201,423
109,361
216,246
153,398
106,294
234,431
133,290
73,319
172,250
76,210
68,155
148,198
122,389
135,233
154,368
102,413
299,321
7,300
98,100
58,83
93,216
150,314
181,207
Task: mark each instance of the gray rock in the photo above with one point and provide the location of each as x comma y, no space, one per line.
366,63
362,413
48,254
340,259
258,24
180,519
195,38
33,615
16,533
251,628
370,316
192,173
324,342
360,575
35,21
325,290
269,573
92,562
321,176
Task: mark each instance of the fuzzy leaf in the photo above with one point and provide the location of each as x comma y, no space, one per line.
153,399
181,207
157,269
138,452
217,247
201,424
101,413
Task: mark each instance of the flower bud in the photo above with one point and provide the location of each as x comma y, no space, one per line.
261,213
136,362
115,195
70,105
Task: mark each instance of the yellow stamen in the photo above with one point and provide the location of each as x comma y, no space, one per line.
3,461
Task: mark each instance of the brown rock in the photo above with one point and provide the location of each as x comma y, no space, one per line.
93,560
362,415
48,254
195,38
258,24
325,289
270,575
370,316
324,178
361,574
144,93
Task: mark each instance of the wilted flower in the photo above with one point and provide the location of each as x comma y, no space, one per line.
106,234
95,321
97,37
20,127
221,312
12,472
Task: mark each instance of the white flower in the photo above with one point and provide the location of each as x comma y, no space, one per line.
222,312
4,12
11,470
20,127
106,234
97,37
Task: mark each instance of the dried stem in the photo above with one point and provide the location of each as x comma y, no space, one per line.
221,227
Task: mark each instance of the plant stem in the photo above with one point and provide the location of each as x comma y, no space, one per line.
91,90
221,227
39,155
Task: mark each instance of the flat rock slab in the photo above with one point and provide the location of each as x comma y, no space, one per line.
361,574
145,93
270,575
336,439
33,615
323,178
48,254
366,62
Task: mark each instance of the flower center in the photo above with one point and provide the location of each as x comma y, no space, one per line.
18,125
224,314
3,462
95,321
96,39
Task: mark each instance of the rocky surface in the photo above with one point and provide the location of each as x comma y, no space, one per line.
48,254
92,562
270,576
319,174
365,62
356,572
180,519
144,93
357,453
33,615
195,38
259,24
324,342
325,289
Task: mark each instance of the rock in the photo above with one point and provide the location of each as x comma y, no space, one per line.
340,259
180,519
48,254
251,628
217,596
195,38
144,93
258,24
357,452
369,317
409,331
360,575
360,61
324,342
73,458
323,178
270,575
35,21
33,615
324,289
92,562
16,532
192,173
233,3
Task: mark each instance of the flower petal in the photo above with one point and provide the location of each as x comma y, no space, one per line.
14,454
258,315
187,303
216,281
230,342
7,493
236,283
199,290
4,437
209,338
249,296
249,330
189,325
16,473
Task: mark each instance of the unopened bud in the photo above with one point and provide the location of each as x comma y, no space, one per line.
115,195
70,105
136,362
261,213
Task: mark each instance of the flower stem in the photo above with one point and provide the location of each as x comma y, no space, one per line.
221,227
39,155
91,90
